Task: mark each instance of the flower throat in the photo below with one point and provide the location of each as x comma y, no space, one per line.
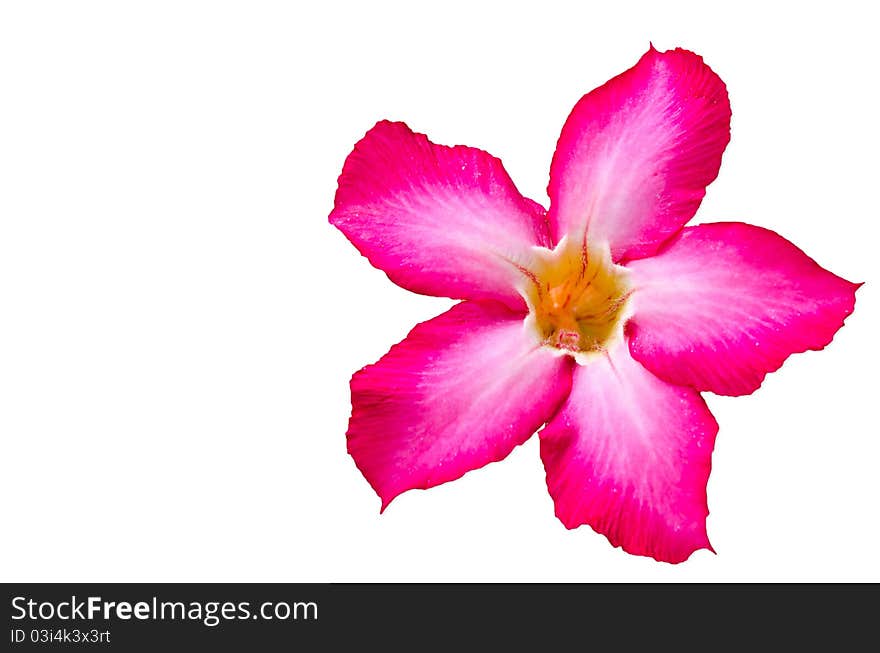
577,298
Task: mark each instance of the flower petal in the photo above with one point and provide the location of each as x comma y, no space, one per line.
462,390
439,220
629,454
636,154
724,304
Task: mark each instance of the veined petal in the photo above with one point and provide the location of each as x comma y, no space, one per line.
630,454
724,304
438,220
636,154
462,390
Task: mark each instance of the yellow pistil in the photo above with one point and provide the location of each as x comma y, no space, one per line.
577,298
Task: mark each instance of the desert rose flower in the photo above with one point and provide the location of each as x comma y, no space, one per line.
601,320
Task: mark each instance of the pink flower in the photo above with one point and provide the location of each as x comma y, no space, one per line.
601,319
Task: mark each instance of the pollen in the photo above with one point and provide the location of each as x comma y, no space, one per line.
577,298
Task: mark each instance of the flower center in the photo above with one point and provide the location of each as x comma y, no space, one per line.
577,298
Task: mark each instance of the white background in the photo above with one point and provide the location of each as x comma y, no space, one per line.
179,321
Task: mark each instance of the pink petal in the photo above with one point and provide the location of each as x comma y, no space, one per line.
630,455
724,304
635,155
462,390
444,221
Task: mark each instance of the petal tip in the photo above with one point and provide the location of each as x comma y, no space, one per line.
385,504
674,557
